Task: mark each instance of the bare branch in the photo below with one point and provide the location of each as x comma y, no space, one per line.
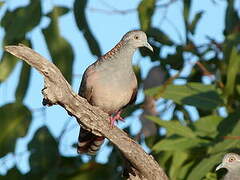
113,10
58,91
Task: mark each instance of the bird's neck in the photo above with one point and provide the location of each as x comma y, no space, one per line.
122,53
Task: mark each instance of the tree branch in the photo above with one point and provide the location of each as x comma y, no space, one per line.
58,91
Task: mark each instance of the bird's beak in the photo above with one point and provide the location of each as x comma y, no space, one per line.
147,45
219,166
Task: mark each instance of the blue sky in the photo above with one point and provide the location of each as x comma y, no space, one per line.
108,29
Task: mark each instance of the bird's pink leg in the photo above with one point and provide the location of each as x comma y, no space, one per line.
116,117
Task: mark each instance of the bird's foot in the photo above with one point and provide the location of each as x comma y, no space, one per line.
116,117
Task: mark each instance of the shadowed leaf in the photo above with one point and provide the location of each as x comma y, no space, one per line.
145,12
24,79
185,170
178,159
80,18
192,26
228,128
15,120
44,152
60,50
207,126
159,36
20,21
231,18
186,11
23,82
90,171
7,65
233,68
13,173
16,24
204,166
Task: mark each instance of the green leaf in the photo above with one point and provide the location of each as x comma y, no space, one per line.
44,152
145,12
60,50
90,171
81,20
192,26
207,126
176,60
178,159
159,36
1,3
23,82
230,124
196,94
186,11
15,119
60,11
185,170
231,18
7,65
233,68
178,144
205,166
24,79
13,173
8,62
69,165
163,158
228,128
224,145
137,71
173,127
15,26
210,176
20,21
130,109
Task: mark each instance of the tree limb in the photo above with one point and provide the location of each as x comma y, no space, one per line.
58,91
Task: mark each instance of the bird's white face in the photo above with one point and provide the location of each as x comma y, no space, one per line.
137,39
231,161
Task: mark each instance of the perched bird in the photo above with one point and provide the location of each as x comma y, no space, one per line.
110,84
231,162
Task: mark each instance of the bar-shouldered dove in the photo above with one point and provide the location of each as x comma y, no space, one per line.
110,84
231,162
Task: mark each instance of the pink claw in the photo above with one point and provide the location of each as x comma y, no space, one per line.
116,117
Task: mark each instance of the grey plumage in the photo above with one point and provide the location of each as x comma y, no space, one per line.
110,84
231,162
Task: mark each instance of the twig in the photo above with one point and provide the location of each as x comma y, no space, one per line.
203,69
58,91
65,126
114,10
231,137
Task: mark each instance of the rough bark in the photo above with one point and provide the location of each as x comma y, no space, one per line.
58,91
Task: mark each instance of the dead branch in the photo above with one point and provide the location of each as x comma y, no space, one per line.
58,91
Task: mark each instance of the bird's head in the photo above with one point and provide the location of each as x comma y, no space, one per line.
137,39
231,162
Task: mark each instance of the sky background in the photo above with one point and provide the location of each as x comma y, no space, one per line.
108,30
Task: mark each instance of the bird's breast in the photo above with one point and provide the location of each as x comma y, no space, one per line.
112,92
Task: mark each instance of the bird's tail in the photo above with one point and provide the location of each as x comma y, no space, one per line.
88,142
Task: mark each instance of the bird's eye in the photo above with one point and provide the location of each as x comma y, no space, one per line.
136,37
231,159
